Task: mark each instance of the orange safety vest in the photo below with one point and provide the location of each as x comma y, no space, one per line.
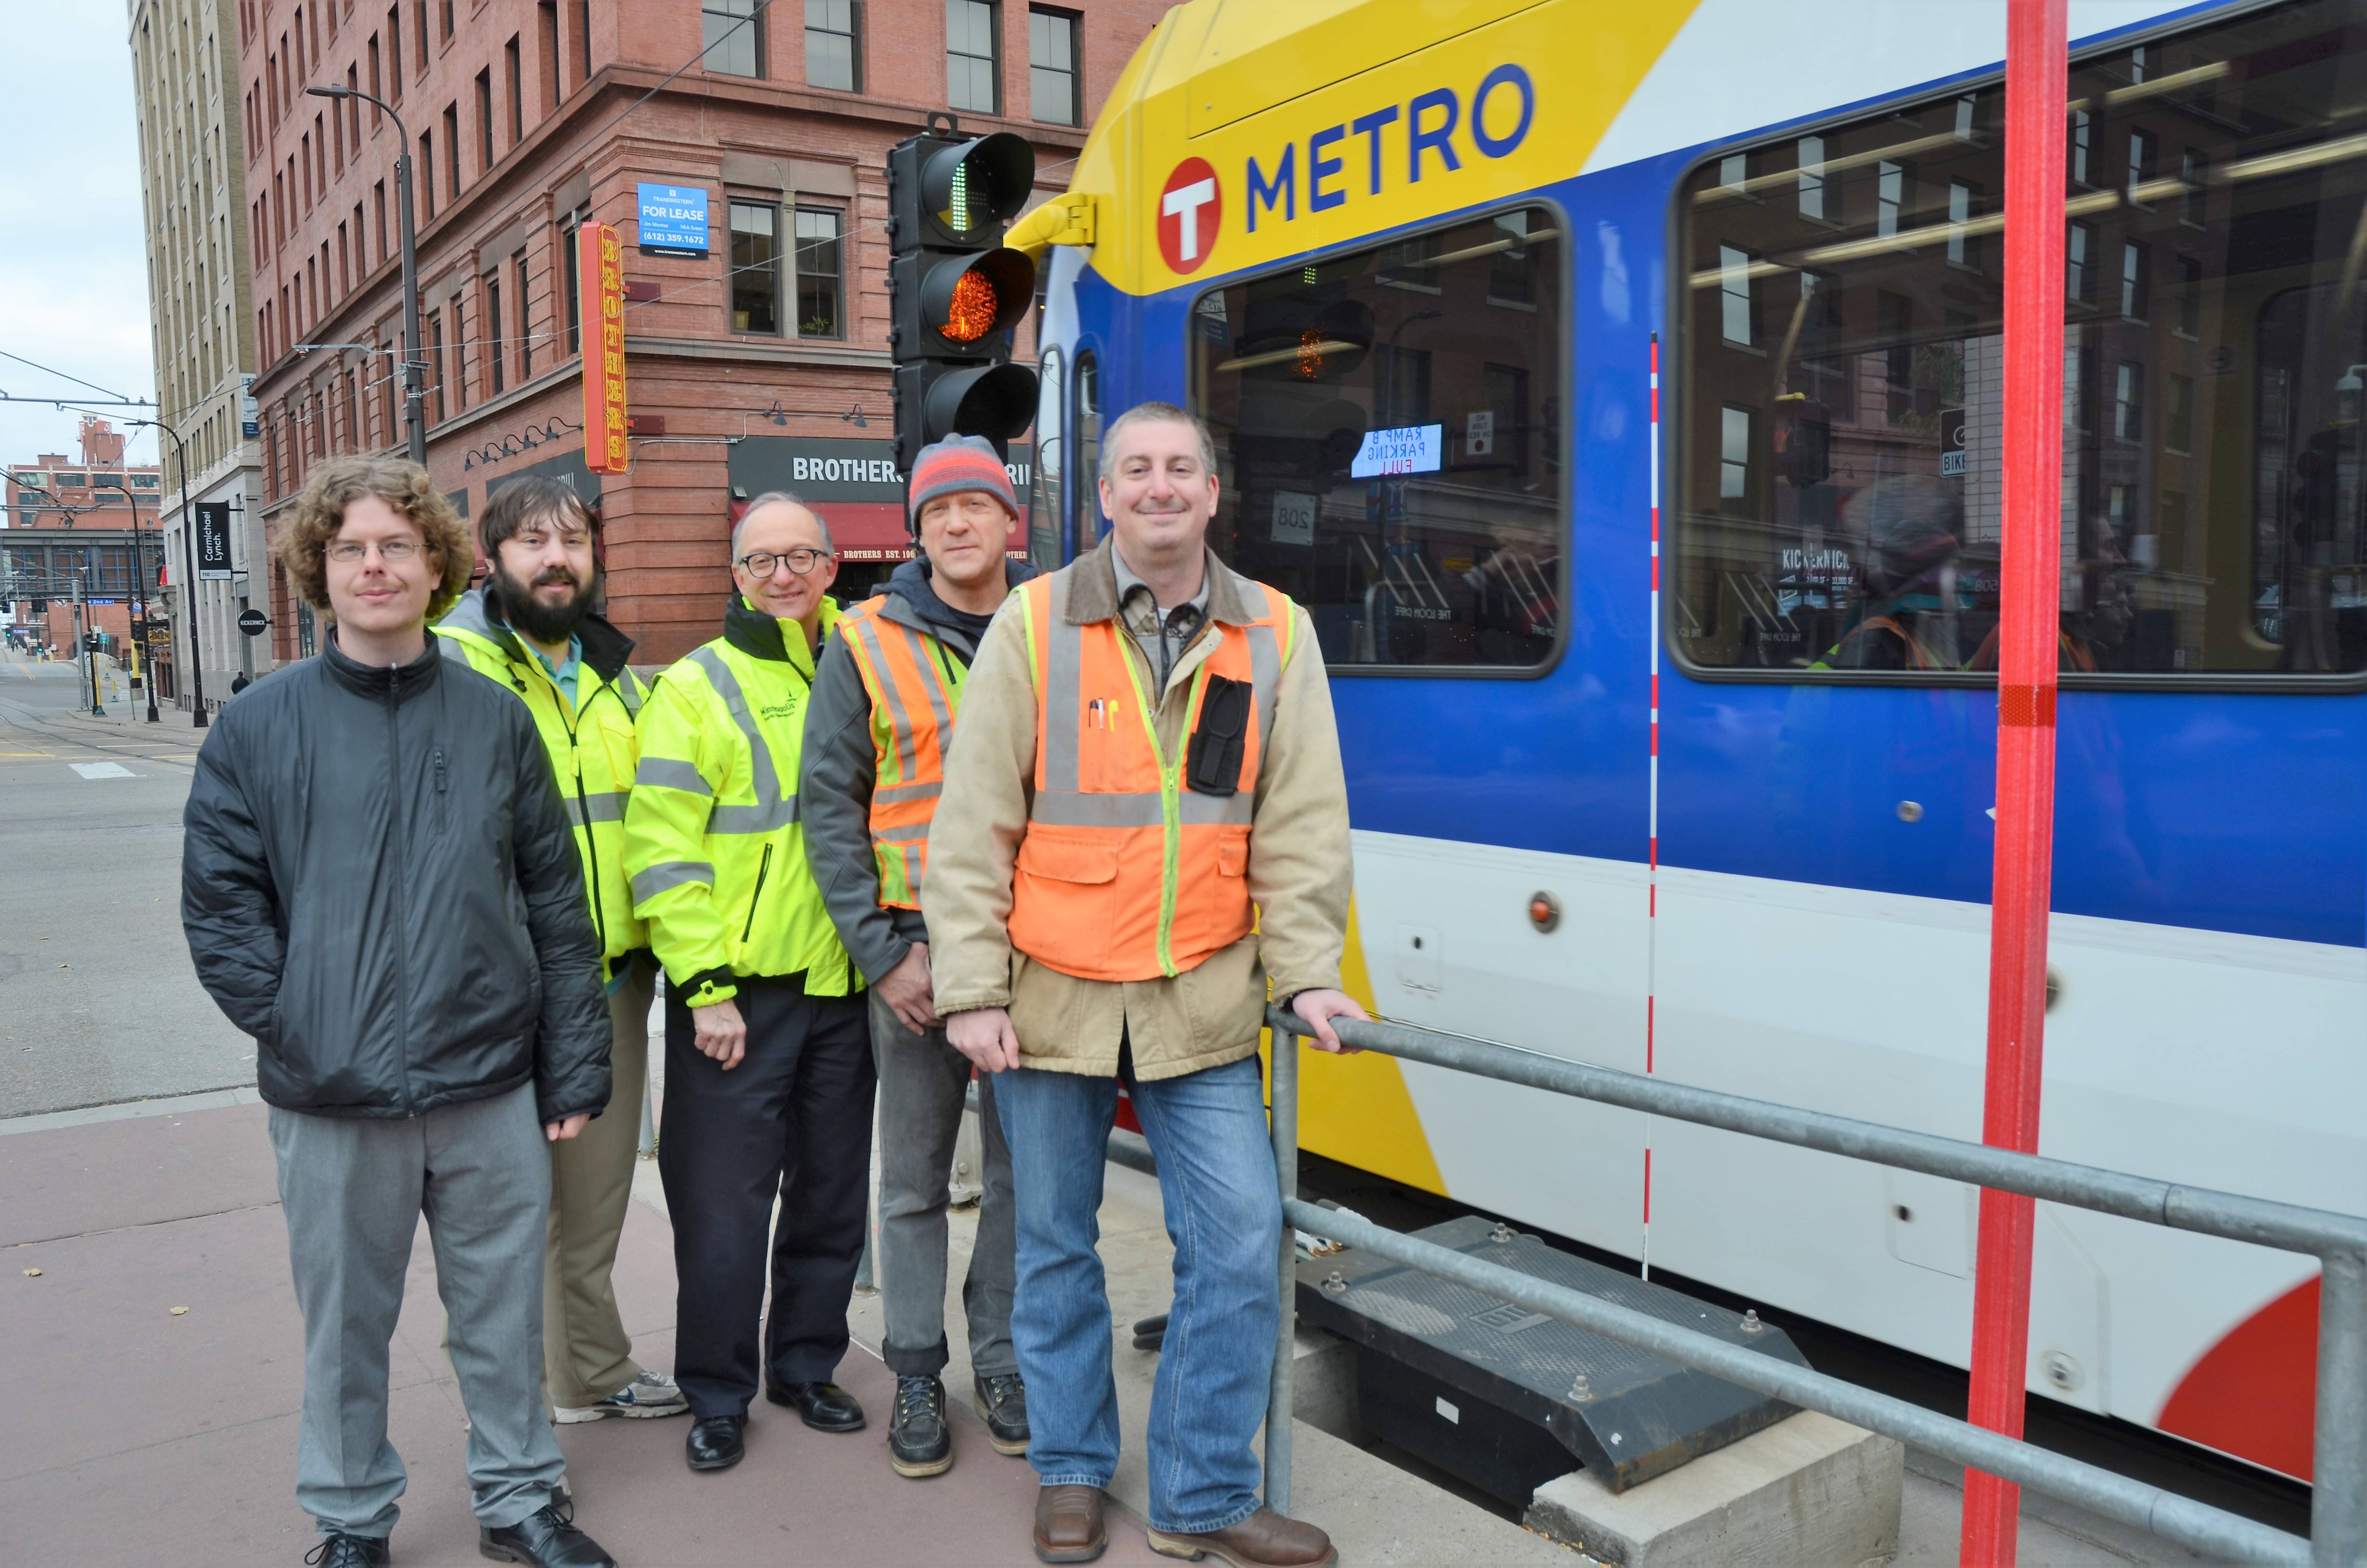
1125,874
915,687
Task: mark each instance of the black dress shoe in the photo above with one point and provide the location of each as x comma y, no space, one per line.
342,1550
826,1407
715,1443
546,1539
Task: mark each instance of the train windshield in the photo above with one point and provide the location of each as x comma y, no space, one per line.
1841,373
1385,433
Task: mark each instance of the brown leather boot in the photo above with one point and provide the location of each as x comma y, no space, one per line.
1264,1540
1068,1524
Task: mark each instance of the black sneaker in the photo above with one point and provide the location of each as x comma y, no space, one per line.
338,1549
918,1442
1003,1406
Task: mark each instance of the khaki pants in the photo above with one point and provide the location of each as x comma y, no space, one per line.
585,1354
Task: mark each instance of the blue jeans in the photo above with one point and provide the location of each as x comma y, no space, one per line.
1224,1213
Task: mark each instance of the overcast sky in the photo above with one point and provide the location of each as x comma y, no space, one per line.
73,277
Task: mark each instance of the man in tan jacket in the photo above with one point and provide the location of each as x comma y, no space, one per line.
1144,824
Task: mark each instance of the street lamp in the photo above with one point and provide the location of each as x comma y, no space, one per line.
189,568
140,583
415,393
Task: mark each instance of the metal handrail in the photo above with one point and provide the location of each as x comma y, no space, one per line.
2338,1498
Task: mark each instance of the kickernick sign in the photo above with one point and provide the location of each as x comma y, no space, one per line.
600,263
1191,208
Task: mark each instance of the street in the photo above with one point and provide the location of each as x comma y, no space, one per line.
101,1004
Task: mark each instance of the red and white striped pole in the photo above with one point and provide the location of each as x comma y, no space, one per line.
2036,85
1652,808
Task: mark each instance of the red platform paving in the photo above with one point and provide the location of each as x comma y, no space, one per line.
132,1435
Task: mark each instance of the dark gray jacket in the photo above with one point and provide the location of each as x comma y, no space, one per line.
838,770
378,883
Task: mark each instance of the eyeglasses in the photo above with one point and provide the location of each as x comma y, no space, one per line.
345,553
761,563
535,539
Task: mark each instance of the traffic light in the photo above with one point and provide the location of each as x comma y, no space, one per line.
955,289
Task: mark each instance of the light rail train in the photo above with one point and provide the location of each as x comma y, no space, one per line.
1618,386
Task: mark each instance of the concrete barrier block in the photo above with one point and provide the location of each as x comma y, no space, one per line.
1810,1491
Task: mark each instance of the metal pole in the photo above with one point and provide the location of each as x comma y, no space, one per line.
189,564
2037,81
415,393
2338,1507
1281,1395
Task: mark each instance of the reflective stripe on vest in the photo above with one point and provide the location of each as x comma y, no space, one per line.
773,810
915,688
1123,873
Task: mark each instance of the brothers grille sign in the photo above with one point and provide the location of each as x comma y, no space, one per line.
600,263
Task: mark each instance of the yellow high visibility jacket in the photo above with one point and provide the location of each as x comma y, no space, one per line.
712,842
592,742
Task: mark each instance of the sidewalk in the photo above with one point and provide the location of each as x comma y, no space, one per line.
133,1434
136,1433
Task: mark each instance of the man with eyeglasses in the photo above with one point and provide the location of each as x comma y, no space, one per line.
531,629
769,1074
378,883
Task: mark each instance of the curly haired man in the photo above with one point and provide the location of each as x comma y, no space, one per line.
380,883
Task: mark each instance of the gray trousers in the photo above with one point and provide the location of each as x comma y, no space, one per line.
353,1191
922,1081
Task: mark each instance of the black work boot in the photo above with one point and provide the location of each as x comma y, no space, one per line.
1003,1406
918,1441
545,1538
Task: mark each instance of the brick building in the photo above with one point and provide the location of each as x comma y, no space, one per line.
758,360
90,521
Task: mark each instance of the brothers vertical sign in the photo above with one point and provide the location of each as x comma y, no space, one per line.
600,263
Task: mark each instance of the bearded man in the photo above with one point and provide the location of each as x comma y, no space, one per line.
532,628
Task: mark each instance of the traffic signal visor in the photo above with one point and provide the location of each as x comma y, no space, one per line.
972,188
967,298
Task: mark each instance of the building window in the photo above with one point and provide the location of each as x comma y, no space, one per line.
436,362
1358,460
2140,159
833,46
518,91
459,311
973,61
755,267
525,319
1960,251
1889,196
731,32
1812,176
1734,455
1052,71
1734,291
2134,292
452,152
485,119
821,279
2128,402
575,290
2083,132
427,173
2079,263
493,331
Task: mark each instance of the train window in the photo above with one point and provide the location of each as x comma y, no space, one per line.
1841,375
1385,435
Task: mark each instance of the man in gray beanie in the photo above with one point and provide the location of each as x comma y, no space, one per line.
877,728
